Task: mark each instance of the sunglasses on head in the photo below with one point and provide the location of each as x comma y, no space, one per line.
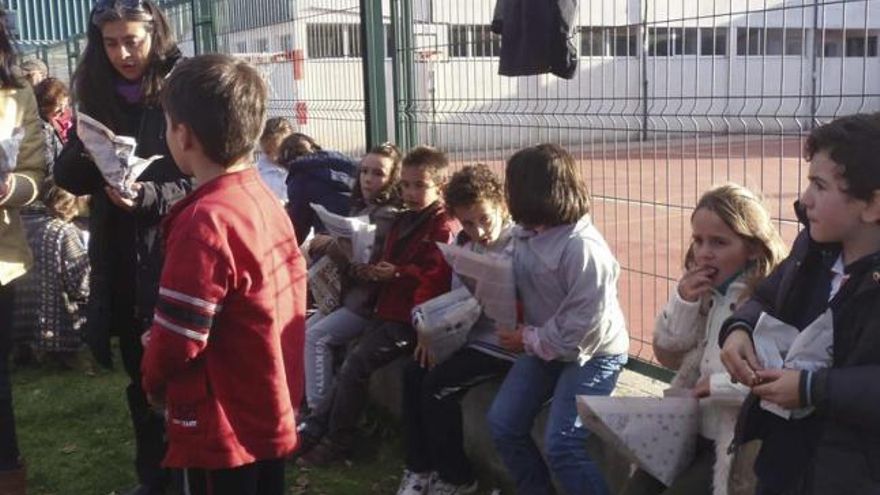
113,8
102,5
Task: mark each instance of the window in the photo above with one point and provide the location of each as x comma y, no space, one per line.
593,42
769,41
458,41
625,41
241,47
861,46
262,45
620,41
354,41
665,42
325,40
285,42
485,42
473,41
713,41
848,43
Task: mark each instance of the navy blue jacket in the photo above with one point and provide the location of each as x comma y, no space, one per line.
836,449
325,178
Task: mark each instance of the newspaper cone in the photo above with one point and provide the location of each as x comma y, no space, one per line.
113,155
657,434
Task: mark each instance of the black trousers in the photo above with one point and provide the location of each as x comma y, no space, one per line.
339,411
258,478
432,412
149,426
8,440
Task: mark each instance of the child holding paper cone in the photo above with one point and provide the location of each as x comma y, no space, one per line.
733,247
376,196
432,392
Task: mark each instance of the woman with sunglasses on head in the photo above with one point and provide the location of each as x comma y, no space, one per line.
129,52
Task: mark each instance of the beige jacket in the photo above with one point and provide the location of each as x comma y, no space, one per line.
18,107
685,338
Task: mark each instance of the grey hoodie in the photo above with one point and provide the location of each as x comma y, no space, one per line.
566,278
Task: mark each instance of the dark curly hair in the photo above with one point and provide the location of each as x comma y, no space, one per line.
472,184
853,142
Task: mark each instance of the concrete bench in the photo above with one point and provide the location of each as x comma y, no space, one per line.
385,388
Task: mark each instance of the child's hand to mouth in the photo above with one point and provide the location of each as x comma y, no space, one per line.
697,282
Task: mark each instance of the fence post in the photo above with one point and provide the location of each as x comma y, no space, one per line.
644,65
204,37
373,54
403,76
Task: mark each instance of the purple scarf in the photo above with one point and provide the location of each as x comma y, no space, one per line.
131,92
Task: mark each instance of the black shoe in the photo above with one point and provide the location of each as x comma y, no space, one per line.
144,490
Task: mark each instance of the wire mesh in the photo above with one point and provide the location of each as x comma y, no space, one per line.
670,97
310,52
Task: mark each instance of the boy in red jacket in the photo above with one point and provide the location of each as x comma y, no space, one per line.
413,270
224,351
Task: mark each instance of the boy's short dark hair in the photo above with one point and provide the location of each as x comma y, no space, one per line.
472,184
853,142
434,160
543,187
223,101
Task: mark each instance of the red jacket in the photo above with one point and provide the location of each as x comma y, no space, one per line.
225,347
422,273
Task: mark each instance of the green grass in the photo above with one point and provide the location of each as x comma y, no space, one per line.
76,437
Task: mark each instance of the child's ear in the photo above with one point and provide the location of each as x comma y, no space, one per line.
871,213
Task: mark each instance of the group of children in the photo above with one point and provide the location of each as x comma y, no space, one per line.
224,355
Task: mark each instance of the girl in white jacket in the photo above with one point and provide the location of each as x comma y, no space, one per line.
733,246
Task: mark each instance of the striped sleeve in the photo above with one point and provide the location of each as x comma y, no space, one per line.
195,280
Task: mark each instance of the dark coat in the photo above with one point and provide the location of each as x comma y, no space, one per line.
837,449
325,178
124,248
536,37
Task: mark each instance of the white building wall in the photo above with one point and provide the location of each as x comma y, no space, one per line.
463,104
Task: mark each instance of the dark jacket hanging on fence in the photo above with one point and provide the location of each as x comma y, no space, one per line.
536,37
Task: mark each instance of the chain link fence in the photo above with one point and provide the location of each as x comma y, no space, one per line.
670,97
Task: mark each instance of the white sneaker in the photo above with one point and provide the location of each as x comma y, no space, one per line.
414,483
440,487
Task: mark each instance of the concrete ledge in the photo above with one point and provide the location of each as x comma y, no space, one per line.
385,387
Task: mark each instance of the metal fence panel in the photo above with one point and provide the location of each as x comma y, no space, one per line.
310,52
670,97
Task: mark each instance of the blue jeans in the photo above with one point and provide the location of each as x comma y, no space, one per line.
323,333
8,442
529,384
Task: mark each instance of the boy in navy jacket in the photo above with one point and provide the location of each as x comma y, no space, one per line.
834,264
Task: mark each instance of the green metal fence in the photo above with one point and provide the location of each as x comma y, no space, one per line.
669,98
